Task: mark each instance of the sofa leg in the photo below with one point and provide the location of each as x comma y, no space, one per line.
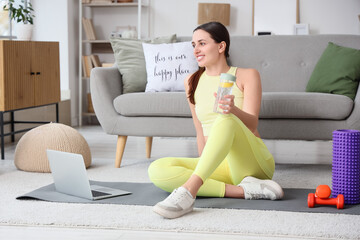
148,146
120,147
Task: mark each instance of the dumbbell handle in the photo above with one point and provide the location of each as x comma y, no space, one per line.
326,201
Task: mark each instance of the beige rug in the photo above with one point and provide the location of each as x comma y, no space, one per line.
264,223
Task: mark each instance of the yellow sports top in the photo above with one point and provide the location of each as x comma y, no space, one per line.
205,100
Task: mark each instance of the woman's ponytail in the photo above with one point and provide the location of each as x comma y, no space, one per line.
193,82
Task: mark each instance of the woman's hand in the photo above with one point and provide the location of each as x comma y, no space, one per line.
227,103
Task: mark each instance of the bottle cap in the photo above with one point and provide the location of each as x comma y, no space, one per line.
228,77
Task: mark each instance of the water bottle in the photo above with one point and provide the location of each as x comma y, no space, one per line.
226,83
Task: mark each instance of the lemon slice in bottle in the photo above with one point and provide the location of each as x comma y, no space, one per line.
226,84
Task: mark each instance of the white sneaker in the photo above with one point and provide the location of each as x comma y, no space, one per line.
261,189
177,204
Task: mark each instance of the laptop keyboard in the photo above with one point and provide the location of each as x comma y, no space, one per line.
99,194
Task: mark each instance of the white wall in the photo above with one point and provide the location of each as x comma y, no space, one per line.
331,16
58,21
180,17
51,24
324,16
73,53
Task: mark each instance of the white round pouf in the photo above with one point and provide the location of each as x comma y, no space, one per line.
30,152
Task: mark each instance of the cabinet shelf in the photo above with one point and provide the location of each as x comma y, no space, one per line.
95,41
99,46
132,4
88,114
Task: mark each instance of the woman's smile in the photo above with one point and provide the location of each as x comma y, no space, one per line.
199,57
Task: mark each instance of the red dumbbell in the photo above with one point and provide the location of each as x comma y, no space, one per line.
322,195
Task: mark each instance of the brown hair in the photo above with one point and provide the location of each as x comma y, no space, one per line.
218,33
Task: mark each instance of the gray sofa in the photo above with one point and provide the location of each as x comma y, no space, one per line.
285,64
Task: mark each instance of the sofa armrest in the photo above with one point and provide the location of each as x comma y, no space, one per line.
353,121
105,85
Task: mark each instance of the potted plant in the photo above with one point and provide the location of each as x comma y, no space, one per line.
22,14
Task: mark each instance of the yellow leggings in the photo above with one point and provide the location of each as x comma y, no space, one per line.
231,153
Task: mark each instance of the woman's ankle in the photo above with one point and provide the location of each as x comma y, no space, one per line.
233,191
193,184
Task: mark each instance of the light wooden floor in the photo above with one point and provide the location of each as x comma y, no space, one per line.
103,146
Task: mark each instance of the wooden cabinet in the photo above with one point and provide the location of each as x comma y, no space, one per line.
29,74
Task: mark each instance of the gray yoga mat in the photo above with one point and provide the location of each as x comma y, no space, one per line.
147,194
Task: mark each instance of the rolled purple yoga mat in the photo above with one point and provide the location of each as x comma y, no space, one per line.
346,165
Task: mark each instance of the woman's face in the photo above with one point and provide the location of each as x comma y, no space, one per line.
206,50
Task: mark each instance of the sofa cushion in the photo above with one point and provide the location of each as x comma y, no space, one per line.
296,105
305,105
130,60
337,71
163,104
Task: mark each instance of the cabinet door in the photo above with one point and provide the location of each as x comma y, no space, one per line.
45,65
16,82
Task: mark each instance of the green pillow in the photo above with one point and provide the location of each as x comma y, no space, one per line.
337,71
129,57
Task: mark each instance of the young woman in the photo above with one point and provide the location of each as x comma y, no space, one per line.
234,162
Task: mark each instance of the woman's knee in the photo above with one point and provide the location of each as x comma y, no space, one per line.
226,119
170,173
225,122
158,167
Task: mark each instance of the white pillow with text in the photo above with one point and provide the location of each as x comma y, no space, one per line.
167,65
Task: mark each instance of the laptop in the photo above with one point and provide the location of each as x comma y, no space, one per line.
70,177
